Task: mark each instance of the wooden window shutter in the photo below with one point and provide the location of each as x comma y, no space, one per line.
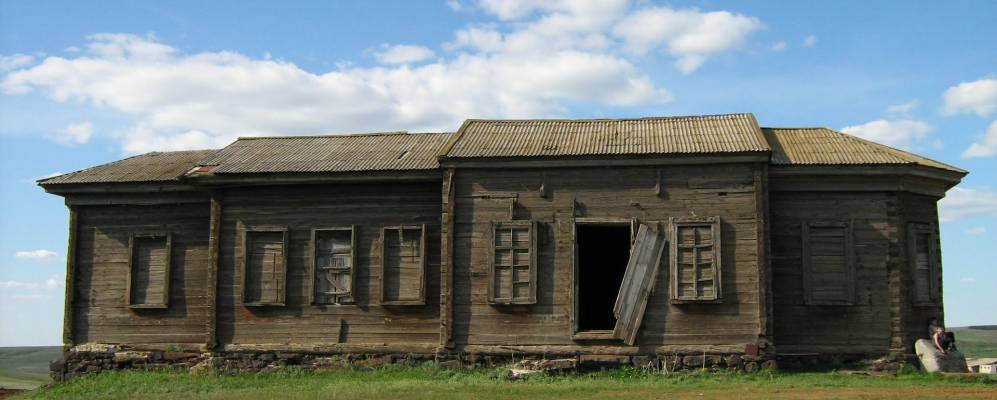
512,264
264,266
403,265
149,264
695,255
333,265
922,254
638,282
828,263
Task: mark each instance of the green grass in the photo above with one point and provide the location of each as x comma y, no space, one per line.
26,367
430,382
977,342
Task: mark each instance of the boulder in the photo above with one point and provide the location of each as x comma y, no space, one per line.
933,360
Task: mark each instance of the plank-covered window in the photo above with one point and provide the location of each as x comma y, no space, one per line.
403,269
922,250
333,265
512,272
828,263
695,259
149,270
264,266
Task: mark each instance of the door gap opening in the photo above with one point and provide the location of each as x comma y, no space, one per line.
603,253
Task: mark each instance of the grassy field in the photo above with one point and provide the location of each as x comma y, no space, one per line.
429,382
977,341
26,367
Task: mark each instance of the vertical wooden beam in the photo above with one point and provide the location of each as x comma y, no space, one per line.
765,320
446,261
211,290
897,272
68,311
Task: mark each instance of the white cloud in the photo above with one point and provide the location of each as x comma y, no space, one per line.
14,61
809,41
455,5
960,203
31,297
40,254
976,231
903,133
986,146
204,100
967,280
50,283
79,133
903,108
978,97
402,54
689,34
779,46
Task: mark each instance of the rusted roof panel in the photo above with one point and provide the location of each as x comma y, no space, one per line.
149,167
335,153
822,146
730,133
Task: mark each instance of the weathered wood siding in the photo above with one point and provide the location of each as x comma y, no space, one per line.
100,306
863,326
921,209
369,208
482,196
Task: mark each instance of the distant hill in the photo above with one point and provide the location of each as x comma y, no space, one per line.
26,367
976,341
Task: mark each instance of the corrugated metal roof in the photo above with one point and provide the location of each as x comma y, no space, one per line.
728,133
822,146
334,153
149,167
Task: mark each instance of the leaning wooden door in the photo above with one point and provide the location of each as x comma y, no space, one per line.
638,282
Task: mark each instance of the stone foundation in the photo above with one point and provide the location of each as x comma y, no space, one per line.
86,359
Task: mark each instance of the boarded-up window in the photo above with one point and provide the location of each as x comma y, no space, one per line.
332,264
149,270
638,282
264,266
403,270
695,259
512,273
922,245
828,263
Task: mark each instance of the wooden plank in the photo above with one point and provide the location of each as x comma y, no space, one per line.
447,261
638,282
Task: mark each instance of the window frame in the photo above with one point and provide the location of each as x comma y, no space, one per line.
806,261
313,267
421,298
673,251
532,248
913,230
282,294
165,303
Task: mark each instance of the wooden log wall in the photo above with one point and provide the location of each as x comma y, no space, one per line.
867,324
369,208
100,311
921,209
646,193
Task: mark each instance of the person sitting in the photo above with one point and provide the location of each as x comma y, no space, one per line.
943,341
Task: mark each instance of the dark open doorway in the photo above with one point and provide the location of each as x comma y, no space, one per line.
603,252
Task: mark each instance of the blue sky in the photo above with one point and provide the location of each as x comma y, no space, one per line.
86,82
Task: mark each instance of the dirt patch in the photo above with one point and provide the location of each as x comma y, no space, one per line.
5,393
813,393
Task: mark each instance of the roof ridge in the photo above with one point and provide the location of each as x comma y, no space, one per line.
360,134
741,114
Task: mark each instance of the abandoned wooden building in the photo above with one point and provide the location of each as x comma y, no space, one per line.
627,237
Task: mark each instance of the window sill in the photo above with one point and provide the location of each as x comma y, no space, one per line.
262,304
512,302
148,306
696,301
604,335
404,303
